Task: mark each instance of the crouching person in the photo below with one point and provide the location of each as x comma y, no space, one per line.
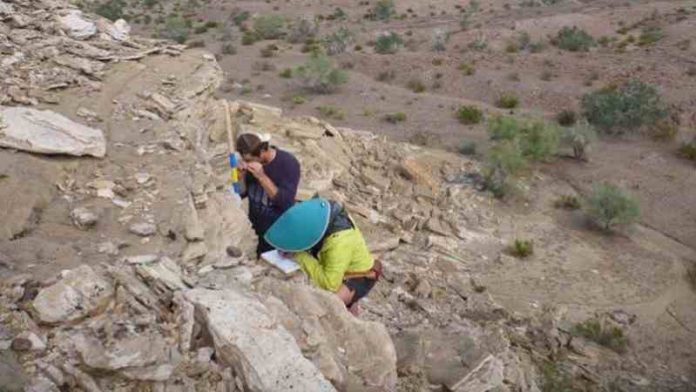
323,239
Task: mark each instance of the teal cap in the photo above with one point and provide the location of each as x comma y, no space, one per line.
300,227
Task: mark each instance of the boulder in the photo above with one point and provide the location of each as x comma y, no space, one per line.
46,132
135,351
83,218
143,229
28,341
79,293
248,337
355,355
77,26
119,30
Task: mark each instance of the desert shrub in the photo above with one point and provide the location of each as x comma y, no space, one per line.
112,9
269,26
608,205
579,138
250,37
539,140
574,39
604,334
503,128
199,43
176,29
567,202
388,43
332,112
303,29
319,75
507,101
416,85
383,10
688,150
469,114
439,40
650,35
312,46
553,379
522,248
479,44
229,48
467,147
395,118
298,99
504,161
286,73
238,17
269,51
338,41
567,118
467,69
338,14
624,109
386,76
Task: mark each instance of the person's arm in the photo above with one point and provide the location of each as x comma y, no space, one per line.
287,188
329,274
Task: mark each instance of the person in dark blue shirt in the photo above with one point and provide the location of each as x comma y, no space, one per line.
271,177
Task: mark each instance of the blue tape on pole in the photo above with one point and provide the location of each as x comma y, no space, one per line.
235,186
233,160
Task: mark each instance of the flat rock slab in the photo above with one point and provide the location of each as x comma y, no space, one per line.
249,338
81,292
47,132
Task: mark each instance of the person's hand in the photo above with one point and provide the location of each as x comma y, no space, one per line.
241,166
256,169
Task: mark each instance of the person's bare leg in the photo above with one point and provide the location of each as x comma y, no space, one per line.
345,294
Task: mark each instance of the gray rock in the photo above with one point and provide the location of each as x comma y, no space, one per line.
194,251
164,275
77,26
129,352
108,247
248,338
79,293
46,132
143,229
28,341
141,259
487,376
119,30
83,218
41,384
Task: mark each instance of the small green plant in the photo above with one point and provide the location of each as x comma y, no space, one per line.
319,75
467,69
238,17
250,37
688,150
469,114
269,26
467,147
328,111
503,128
286,73
383,10
567,202
504,161
553,379
567,118
298,99
606,335
650,36
574,39
176,29
624,109
507,101
112,9
338,41
579,138
386,76
395,118
269,51
439,40
388,43
229,48
539,140
609,206
522,248
416,85
303,29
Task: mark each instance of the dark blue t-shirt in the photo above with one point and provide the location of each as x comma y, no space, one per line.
284,171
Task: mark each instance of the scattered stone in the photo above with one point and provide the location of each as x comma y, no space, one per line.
163,276
193,230
384,245
28,341
83,218
141,178
134,351
76,26
234,251
119,30
46,132
79,293
622,317
487,376
143,229
82,379
194,251
248,338
109,248
141,259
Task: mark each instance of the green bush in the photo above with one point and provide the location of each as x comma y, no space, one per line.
303,29
229,48
579,138
395,118
388,43
319,75
507,101
553,379
332,112
269,26
416,85
522,248
338,41
467,69
238,17
439,40
503,128
688,150
650,35
567,118
567,202
539,140
383,10
574,39
504,161
609,336
608,205
250,37
112,9
469,114
624,109
467,147
176,29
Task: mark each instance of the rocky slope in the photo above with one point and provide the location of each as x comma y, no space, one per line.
131,270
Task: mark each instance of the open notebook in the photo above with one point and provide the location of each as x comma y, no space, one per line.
284,264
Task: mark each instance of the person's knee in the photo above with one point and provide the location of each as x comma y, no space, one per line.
345,294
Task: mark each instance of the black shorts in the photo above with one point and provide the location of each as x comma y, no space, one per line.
360,287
